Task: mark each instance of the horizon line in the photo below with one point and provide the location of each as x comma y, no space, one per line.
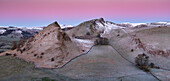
74,24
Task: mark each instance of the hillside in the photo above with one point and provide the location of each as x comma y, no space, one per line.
99,49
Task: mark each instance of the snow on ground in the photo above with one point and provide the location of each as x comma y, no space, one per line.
134,24
108,27
2,31
150,24
168,23
65,26
38,28
4,26
85,43
113,26
18,31
162,22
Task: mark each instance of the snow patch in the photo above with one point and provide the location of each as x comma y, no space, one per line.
107,27
37,28
65,26
162,22
84,43
18,31
2,31
134,24
168,23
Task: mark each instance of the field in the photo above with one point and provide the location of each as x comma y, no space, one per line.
15,69
101,63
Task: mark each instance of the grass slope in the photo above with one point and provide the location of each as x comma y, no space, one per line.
103,63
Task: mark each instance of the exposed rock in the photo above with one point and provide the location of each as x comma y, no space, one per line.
51,47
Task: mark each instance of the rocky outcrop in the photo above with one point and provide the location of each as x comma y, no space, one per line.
50,48
149,48
53,47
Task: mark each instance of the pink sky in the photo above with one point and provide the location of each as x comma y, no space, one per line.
14,11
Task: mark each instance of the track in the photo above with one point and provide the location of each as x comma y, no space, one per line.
122,55
132,36
165,69
133,63
155,76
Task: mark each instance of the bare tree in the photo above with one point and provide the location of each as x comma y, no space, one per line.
142,61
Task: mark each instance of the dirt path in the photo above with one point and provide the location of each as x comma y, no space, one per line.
132,62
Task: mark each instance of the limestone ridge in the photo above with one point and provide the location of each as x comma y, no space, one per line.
55,24
50,48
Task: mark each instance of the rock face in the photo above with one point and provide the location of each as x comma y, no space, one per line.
53,47
50,48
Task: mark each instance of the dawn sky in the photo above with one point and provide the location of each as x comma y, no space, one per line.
44,12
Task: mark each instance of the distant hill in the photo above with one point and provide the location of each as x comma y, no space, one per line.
19,31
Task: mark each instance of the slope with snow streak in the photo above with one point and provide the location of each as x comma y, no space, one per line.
95,27
65,26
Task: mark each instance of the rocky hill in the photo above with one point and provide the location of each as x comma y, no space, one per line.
99,49
11,34
53,47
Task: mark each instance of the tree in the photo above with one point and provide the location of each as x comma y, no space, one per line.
102,41
142,61
88,33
